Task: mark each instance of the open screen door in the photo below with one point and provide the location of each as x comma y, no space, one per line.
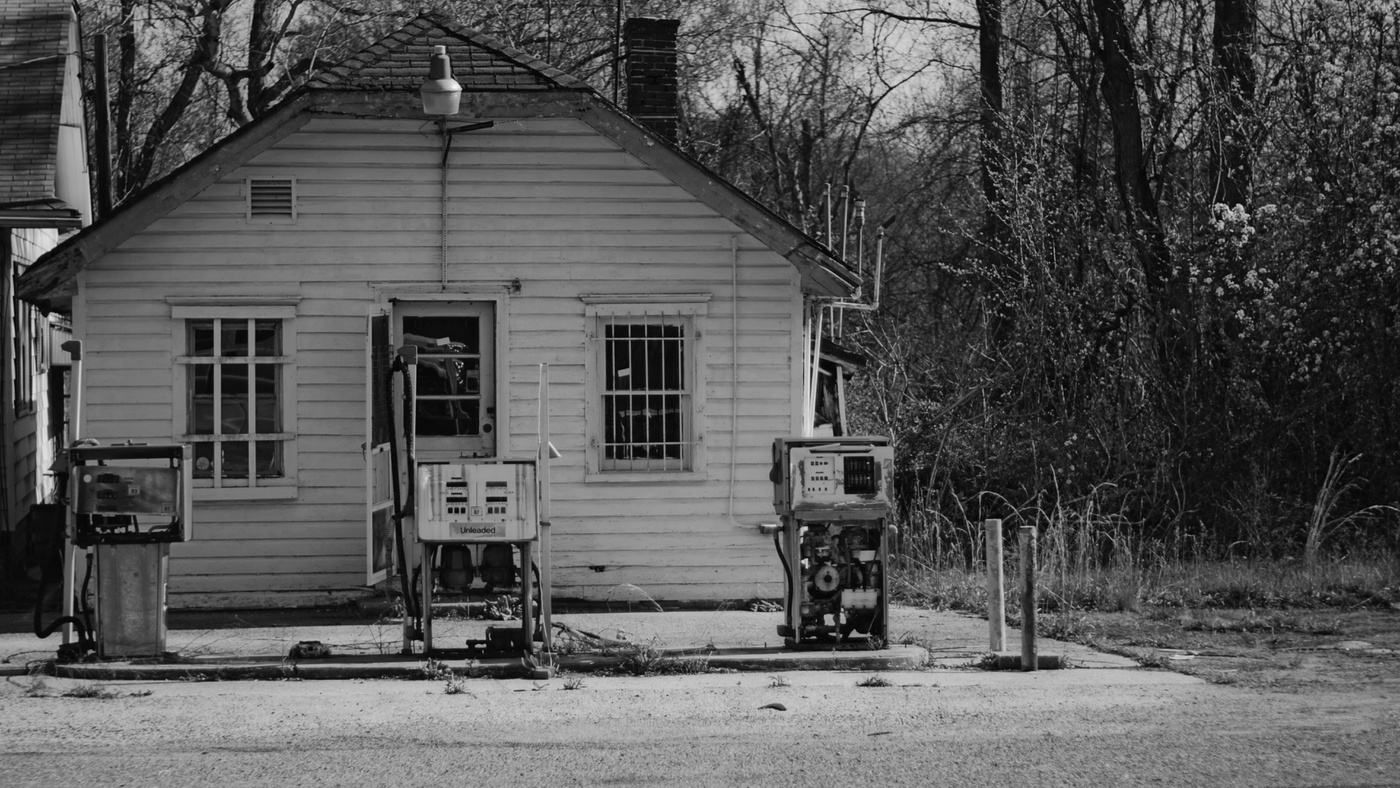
379,524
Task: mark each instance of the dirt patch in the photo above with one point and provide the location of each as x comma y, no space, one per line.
1276,650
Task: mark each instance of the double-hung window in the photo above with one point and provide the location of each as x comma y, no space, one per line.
234,398
646,371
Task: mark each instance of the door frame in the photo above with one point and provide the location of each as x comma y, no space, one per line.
485,441
389,299
386,299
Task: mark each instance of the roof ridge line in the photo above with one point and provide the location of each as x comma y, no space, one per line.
413,30
520,56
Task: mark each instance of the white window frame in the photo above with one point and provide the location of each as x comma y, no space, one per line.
691,308
284,310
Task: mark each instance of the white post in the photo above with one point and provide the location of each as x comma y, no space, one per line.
809,408
996,588
543,479
70,551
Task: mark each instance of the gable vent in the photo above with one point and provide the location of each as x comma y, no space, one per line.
272,200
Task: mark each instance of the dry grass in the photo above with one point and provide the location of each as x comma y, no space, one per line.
651,659
94,691
1094,560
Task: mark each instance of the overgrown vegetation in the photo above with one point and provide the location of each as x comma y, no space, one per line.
651,659
1162,327
1149,580
453,683
39,687
96,691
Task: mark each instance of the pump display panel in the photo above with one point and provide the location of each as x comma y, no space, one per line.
477,502
831,476
130,493
113,489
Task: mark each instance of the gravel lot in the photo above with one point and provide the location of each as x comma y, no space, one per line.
941,726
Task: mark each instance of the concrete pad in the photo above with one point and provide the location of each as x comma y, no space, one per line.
724,639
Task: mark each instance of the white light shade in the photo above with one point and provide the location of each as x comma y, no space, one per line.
442,95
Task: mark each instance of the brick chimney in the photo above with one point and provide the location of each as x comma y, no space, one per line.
652,86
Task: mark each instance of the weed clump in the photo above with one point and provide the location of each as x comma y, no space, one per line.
874,680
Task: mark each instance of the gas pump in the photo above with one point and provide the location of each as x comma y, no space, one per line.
834,500
478,532
479,523
129,503
126,504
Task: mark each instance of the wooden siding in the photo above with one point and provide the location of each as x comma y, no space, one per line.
27,454
547,203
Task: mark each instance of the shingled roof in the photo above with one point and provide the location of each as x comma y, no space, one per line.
395,63
33,48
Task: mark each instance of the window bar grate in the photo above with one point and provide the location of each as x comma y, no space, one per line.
216,449
251,406
649,443
610,343
663,399
646,419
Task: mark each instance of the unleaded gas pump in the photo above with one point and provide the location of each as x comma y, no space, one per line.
478,532
479,523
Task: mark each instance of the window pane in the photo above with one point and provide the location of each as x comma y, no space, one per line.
201,337
675,367
612,362
449,417
203,461
235,459
639,378
269,459
668,427
469,375
268,385
234,380
439,376
443,334
269,338
201,399
235,337
610,420
269,416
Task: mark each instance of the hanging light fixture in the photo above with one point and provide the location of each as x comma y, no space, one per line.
442,95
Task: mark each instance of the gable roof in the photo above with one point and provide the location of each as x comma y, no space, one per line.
383,81
33,55
479,63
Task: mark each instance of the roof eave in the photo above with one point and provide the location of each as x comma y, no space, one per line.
52,281
49,214
823,274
